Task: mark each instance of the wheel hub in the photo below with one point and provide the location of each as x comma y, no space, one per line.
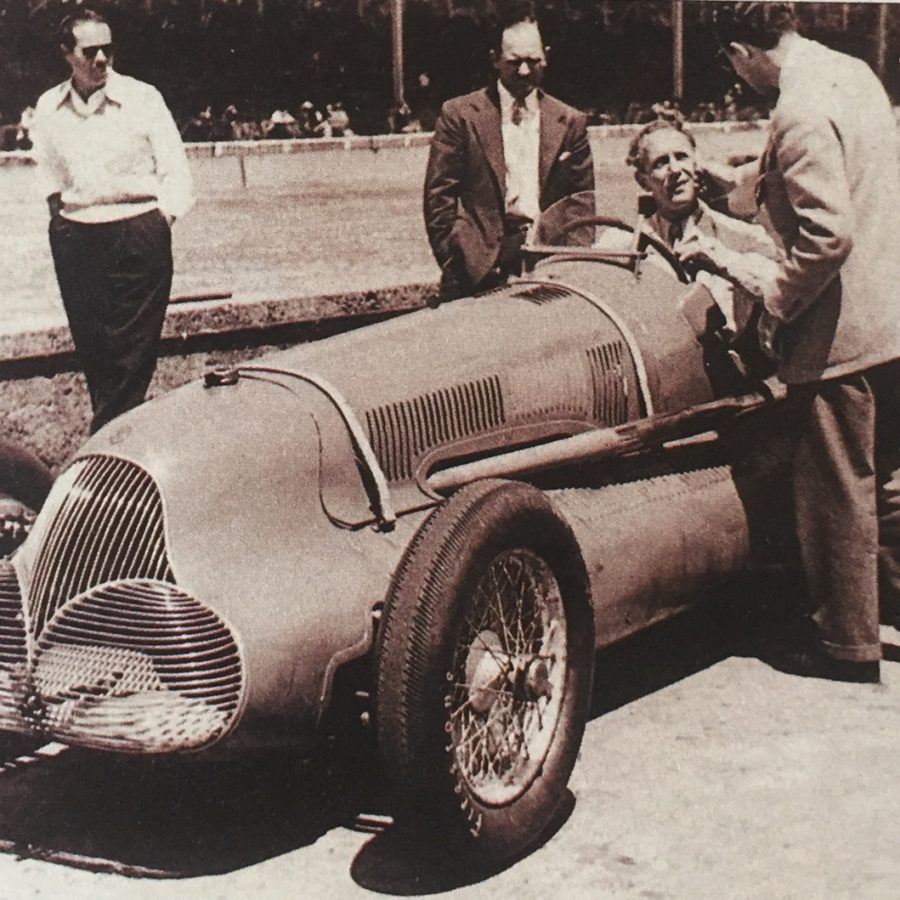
536,680
487,667
509,677
490,671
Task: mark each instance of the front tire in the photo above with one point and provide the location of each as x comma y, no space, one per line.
484,670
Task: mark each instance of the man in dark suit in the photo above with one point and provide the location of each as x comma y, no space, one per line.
499,157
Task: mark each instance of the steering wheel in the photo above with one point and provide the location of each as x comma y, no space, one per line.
646,240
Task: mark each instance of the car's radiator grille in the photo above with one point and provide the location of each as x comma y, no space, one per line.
108,526
12,649
137,665
12,628
402,432
608,379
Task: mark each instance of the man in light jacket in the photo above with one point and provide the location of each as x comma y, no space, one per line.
828,183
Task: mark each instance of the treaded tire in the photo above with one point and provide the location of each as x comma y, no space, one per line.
429,642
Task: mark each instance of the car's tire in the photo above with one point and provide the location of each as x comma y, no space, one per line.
478,722
24,484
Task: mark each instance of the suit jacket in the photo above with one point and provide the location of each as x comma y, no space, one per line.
465,183
829,184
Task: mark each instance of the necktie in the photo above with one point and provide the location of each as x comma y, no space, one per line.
518,111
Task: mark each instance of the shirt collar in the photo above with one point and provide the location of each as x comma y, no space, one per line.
112,91
663,227
507,100
793,61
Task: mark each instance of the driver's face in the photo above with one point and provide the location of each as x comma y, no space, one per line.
669,172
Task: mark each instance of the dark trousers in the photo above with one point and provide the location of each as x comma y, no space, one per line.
456,281
846,478
115,280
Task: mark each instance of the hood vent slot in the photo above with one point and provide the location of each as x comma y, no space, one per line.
543,293
610,385
108,526
403,432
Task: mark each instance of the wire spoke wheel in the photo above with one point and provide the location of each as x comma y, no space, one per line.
484,667
508,677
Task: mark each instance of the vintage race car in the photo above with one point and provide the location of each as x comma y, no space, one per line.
452,508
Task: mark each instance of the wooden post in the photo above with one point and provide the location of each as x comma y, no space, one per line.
678,49
397,43
881,49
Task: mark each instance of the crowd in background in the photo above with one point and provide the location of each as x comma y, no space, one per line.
308,121
233,124
299,68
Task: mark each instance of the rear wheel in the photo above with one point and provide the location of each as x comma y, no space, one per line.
484,670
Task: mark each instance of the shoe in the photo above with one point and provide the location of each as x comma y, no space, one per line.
810,662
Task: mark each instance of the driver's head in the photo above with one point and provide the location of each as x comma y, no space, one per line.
664,157
518,54
749,33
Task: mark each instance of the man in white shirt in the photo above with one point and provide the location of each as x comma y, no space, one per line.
499,156
116,177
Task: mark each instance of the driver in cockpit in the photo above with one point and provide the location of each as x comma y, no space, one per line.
664,158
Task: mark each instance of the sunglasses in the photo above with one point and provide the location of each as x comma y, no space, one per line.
92,51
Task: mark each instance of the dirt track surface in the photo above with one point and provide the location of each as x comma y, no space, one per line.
313,223
703,773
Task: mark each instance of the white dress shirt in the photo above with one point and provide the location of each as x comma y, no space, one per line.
114,156
521,153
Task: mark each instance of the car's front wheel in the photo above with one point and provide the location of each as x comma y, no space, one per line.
484,669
